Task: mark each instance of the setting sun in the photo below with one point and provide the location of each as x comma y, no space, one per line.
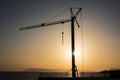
77,54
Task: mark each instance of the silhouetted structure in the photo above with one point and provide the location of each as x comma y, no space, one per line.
77,78
94,74
72,20
113,73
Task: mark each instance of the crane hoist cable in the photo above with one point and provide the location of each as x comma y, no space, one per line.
58,15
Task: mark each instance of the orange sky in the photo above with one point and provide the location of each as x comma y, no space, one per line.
42,47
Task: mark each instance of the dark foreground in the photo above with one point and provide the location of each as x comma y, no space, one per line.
113,75
79,78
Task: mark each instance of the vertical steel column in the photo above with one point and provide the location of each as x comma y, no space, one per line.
73,47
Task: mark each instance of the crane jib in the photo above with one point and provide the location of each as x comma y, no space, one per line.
46,24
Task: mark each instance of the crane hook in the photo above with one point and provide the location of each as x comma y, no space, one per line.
62,38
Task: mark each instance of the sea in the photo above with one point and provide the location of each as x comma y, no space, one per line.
36,75
30,75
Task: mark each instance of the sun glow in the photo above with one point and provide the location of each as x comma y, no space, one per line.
77,54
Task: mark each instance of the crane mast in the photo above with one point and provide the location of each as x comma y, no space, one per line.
72,20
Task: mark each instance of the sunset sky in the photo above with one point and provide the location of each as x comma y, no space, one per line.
42,47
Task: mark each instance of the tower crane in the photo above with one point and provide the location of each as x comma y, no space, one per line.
72,19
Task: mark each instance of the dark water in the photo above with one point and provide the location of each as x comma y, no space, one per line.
19,76
36,75
29,75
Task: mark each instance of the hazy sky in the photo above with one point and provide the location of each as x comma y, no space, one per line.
42,47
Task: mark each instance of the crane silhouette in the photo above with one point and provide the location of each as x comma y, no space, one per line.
72,19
